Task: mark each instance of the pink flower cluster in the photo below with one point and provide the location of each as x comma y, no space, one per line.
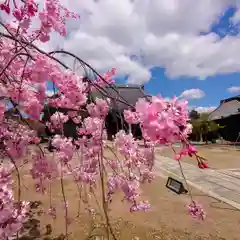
76,118
58,119
20,12
72,88
15,138
196,210
2,110
64,148
130,117
163,121
128,173
53,17
98,109
106,79
25,70
189,150
12,213
43,169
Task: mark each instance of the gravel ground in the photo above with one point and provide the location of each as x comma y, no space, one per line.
167,219
219,157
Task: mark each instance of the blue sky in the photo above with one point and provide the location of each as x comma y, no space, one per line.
215,87
177,52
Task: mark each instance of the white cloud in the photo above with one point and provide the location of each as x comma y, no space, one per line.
162,33
194,93
49,93
204,109
234,89
236,17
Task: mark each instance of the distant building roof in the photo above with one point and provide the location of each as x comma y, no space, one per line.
121,96
227,107
230,99
12,114
32,124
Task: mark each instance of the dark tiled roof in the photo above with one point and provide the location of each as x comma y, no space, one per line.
11,113
32,124
230,99
227,108
121,96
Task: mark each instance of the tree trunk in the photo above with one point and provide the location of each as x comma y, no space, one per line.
201,137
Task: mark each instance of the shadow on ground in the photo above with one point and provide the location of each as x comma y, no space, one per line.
31,228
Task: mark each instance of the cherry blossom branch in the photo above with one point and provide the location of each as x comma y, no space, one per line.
104,202
159,121
183,175
20,114
95,72
11,60
18,187
66,67
65,204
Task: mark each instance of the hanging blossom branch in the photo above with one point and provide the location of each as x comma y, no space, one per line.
24,70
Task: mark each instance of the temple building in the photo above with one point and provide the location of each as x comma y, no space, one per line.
121,96
228,115
35,125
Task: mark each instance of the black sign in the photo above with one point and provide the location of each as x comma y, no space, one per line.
175,185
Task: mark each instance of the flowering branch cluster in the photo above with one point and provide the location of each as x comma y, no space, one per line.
24,70
12,213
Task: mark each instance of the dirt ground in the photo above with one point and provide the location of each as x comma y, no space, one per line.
167,220
218,157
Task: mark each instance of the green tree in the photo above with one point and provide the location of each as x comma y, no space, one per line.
193,115
202,127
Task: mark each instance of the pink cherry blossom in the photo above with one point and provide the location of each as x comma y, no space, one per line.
18,14
5,7
126,144
106,79
130,117
142,206
196,211
25,76
65,148
52,212
98,109
12,214
2,110
43,167
58,119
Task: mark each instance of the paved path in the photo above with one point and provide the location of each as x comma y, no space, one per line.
221,184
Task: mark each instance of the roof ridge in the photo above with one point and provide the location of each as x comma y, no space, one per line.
230,99
123,86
